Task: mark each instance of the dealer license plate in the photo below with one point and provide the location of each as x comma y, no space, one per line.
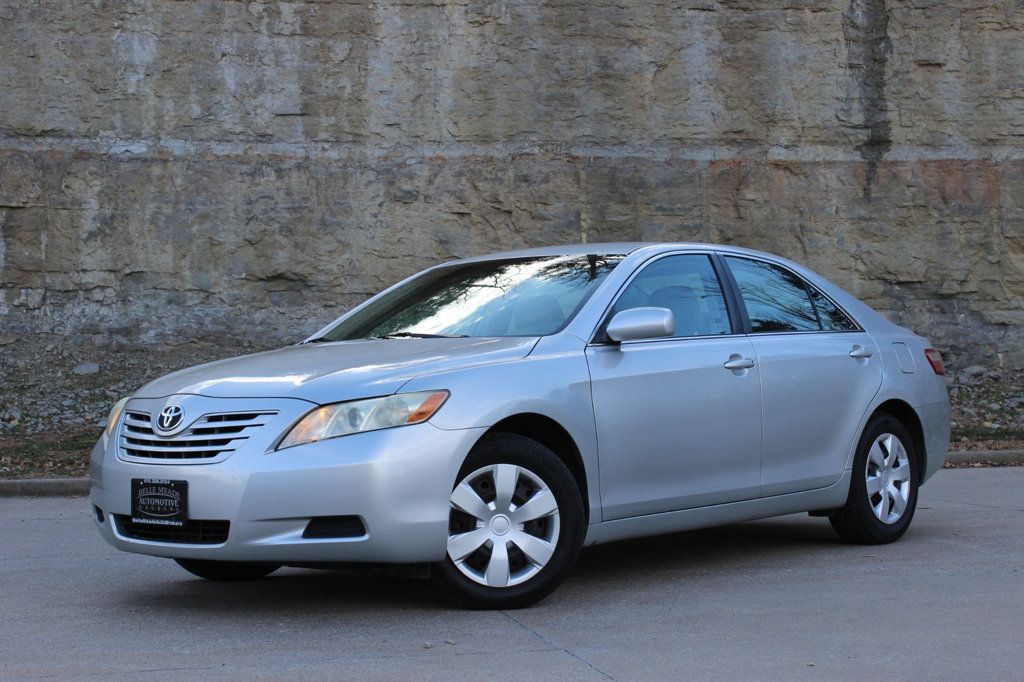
159,502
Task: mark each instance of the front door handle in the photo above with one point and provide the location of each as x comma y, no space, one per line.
860,353
737,362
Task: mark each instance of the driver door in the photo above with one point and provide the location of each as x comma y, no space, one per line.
676,428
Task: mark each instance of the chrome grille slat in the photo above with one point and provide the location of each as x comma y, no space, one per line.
209,436
226,431
174,449
150,437
176,456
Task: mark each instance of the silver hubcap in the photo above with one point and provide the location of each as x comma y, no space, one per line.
504,525
888,478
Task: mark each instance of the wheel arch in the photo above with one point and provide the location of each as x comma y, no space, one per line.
554,437
907,416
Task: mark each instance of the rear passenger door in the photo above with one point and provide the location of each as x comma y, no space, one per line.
819,371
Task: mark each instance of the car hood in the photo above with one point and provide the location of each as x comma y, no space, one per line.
331,372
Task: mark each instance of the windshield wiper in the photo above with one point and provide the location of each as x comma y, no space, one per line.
417,335
319,339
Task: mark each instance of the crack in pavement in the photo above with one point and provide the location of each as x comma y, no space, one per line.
106,673
986,506
236,668
558,646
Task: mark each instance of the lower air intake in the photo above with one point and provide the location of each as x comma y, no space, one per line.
192,533
321,527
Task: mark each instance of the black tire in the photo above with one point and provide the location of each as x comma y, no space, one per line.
227,571
504,448
856,522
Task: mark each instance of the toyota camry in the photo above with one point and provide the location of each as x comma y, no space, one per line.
489,417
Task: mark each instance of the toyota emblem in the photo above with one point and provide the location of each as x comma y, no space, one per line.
170,417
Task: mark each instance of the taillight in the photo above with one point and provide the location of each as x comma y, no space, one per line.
935,360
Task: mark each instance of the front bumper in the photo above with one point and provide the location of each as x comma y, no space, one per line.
397,481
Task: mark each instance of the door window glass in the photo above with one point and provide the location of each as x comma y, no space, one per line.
832,318
688,286
775,298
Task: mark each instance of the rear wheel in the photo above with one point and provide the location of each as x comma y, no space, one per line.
227,570
883,490
516,525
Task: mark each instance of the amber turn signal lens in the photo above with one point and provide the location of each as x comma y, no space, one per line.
427,407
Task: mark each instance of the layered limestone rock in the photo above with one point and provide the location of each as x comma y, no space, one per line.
248,170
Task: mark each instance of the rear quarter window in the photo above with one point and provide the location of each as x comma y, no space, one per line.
832,318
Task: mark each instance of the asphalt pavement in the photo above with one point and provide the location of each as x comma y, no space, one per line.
780,597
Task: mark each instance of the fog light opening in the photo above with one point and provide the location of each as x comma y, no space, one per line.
322,527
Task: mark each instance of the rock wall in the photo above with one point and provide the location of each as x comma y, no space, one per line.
245,171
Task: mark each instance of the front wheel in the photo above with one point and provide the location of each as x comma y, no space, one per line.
883,490
227,570
516,525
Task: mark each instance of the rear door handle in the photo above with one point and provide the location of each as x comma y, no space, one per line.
860,352
736,362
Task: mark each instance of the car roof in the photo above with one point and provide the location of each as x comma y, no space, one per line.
601,248
861,312
609,249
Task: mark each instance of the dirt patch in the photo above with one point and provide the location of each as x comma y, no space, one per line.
51,454
987,409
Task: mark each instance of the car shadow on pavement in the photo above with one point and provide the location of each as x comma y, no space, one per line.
737,547
288,589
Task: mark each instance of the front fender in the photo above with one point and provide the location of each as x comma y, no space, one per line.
555,385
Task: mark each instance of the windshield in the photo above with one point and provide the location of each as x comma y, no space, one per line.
515,297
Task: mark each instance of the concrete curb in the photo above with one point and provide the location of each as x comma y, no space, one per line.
1004,457
45,487
57,487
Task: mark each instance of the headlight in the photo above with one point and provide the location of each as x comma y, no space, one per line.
115,414
356,416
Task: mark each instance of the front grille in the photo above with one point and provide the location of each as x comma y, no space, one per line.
192,533
211,435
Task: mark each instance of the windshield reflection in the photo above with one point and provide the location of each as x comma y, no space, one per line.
515,297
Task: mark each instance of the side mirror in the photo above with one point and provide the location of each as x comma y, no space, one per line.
641,323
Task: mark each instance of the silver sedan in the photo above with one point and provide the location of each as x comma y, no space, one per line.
489,417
